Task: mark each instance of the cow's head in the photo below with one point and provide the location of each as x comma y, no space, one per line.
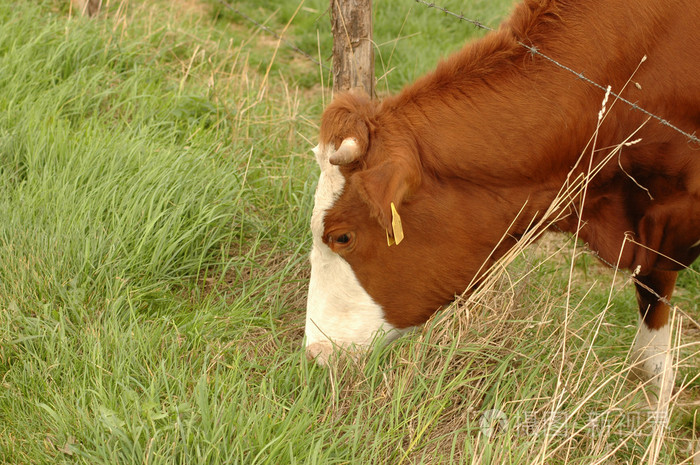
366,279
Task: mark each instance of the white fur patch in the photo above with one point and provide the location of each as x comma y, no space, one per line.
338,311
652,354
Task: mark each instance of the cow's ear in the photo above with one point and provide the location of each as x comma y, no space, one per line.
385,187
349,116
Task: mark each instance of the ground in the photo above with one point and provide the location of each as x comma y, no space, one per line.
155,191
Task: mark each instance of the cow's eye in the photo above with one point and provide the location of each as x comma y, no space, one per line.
341,242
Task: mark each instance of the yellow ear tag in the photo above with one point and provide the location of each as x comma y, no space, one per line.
396,225
389,239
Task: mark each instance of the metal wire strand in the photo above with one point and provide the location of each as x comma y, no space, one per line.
535,51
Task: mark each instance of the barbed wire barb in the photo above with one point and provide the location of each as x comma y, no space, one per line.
459,16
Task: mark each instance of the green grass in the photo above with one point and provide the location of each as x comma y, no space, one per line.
409,38
155,193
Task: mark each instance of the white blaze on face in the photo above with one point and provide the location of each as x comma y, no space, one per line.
338,308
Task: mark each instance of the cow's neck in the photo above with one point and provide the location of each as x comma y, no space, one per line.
515,134
513,155
494,112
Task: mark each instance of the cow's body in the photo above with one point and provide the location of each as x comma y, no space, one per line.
470,154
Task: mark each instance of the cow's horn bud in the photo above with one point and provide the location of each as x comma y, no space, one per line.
347,153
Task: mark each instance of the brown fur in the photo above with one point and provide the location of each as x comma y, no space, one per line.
495,129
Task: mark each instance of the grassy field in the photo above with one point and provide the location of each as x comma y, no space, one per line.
156,185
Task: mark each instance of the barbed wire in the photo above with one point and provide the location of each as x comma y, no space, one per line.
635,273
633,278
476,23
273,33
535,51
692,137
459,16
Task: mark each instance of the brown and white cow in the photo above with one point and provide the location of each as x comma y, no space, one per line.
471,153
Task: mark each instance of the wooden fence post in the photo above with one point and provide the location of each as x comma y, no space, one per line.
87,7
353,52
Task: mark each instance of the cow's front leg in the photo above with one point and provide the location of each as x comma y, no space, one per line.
652,355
